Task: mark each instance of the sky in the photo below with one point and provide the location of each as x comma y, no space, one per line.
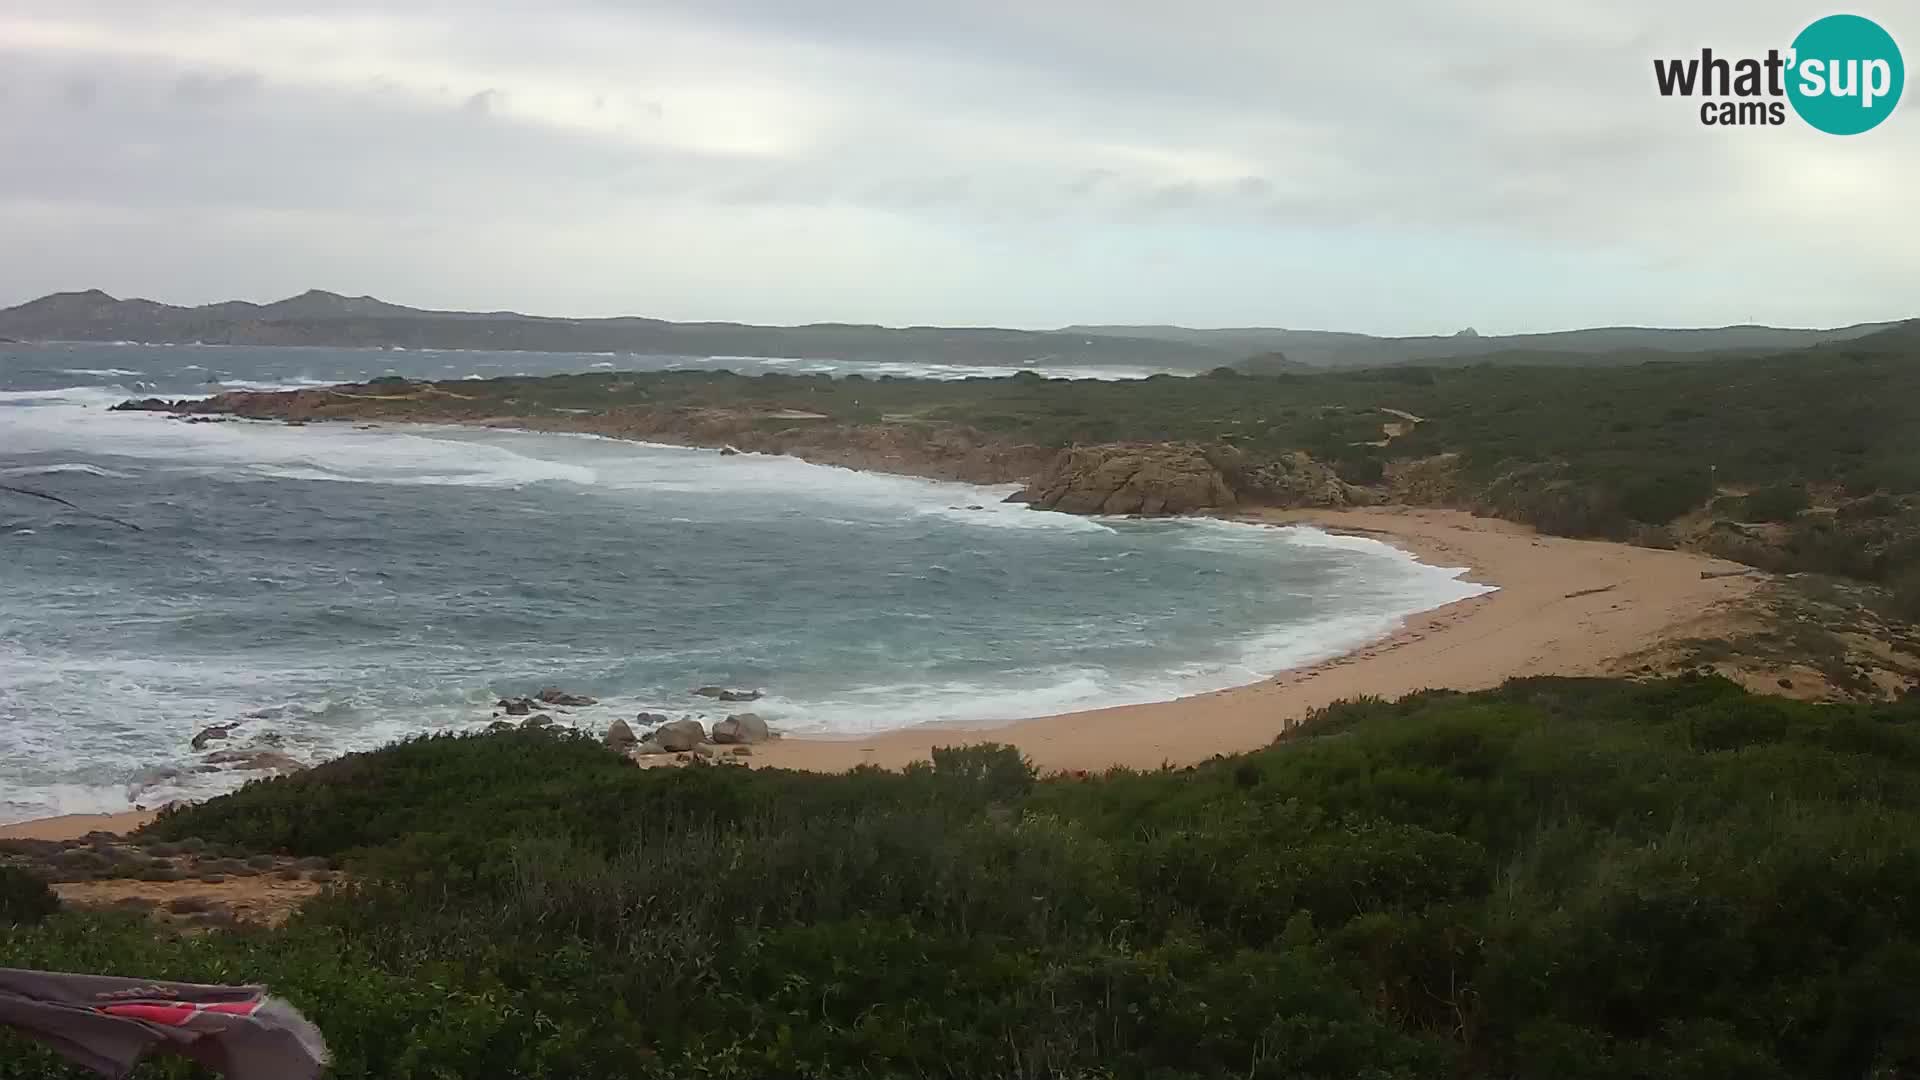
1386,166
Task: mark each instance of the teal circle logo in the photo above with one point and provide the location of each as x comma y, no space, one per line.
1846,74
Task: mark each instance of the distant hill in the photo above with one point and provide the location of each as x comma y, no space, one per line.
324,318
1629,344
317,317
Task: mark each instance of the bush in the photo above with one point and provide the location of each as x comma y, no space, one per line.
1780,502
1594,877
24,898
1906,595
1660,496
1363,471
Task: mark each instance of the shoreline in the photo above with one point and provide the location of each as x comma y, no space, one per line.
75,826
1561,607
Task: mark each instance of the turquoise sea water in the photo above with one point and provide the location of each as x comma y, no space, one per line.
337,586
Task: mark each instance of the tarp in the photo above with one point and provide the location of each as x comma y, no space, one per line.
107,1024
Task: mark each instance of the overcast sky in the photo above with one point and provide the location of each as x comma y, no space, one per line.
1403,167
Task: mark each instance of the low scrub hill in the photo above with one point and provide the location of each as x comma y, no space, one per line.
1575,878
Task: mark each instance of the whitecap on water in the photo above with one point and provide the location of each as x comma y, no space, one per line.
64,467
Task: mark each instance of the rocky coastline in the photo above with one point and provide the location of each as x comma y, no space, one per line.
1127,478
242,745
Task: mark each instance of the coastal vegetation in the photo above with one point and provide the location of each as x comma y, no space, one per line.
1583,878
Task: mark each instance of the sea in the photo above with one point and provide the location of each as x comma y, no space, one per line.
335,587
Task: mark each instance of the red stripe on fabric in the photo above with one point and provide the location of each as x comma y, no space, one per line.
172,1014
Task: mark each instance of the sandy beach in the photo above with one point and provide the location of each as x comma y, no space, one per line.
74,826
1563,607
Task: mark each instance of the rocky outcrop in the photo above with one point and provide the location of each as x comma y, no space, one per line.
721,693
652,719
261,760
741,729
1179,478
516,706
1130,478
211,733
676,737
620,738
1293,479
553,695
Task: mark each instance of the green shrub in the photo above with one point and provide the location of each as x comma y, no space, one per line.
1906,594
24,898
1665,493
1587,876
1780,502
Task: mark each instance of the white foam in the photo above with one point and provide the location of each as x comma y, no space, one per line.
64,467
1021,695
296,382
776,480
996,513
139,712
105,373
907,369
83,396
254,450
125,724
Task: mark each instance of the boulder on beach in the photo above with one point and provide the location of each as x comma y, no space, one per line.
517,706
553,695
500,725
620,738
537,720
678,736
741,728
652,719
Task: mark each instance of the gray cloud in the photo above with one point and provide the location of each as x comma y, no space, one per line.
207,88
80,92
482,103
1403,167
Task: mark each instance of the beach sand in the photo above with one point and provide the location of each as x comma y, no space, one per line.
75,826
1564,607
